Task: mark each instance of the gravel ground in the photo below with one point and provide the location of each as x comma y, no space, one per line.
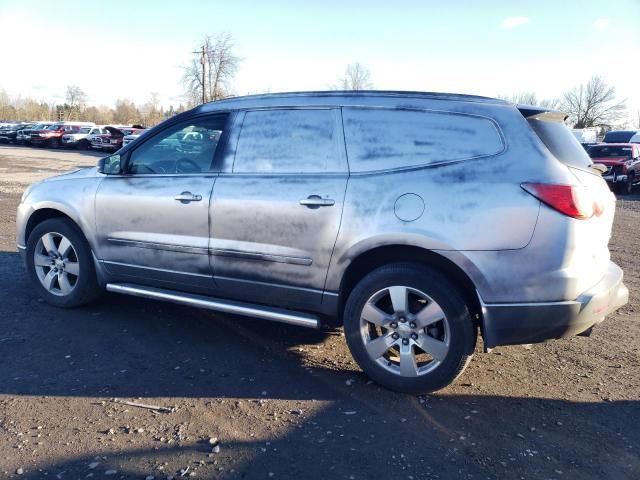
250,399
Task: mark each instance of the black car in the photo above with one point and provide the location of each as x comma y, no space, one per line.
619,136
8,133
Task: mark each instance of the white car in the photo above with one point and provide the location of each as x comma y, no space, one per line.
83,138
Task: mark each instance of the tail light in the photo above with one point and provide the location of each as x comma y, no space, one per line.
571,200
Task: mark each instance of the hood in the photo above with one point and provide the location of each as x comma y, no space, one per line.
85,172
114,132
610,160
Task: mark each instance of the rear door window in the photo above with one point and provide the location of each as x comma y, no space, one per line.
380,139
288,141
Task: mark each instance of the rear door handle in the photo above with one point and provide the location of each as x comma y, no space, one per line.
316,201
187,197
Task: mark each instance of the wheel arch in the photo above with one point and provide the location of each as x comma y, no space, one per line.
40,215
379,256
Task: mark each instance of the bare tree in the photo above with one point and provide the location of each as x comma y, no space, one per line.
356,77
530,98
76,99
220,64
593,104
152,113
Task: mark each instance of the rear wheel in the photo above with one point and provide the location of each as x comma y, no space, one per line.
409,328
60,264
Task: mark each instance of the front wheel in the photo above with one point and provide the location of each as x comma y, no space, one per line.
60,264
409,328
627,187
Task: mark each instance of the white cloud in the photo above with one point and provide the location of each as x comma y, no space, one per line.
513,22
601,23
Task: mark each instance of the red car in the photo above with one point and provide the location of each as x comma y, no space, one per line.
623,164
52,136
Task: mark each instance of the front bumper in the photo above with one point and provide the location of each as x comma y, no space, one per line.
620,178
22,250
519,323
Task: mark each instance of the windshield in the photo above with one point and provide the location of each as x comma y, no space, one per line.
85,130
609,152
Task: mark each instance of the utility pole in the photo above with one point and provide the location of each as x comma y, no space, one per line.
203,62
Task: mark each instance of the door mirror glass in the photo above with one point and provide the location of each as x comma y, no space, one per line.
110,165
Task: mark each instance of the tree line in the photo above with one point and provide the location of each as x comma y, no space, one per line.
75,107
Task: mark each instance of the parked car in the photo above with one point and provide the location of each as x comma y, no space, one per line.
103,141
454,215
24,134
52,135
9,133
83,137
127,139
585,135
116,137
619,136
623,164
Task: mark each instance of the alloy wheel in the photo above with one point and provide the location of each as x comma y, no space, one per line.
56,262
405,331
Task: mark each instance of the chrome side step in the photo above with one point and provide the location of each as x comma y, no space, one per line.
219,305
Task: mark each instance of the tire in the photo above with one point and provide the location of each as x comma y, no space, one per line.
429,291
83,145
81,278
627,187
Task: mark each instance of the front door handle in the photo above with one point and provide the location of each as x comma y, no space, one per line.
316,201
186,197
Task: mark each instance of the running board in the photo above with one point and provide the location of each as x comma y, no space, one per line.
219,305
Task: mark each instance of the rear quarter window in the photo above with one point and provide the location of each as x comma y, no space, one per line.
381,139
561,142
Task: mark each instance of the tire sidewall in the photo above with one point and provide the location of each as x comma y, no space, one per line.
440,289
85,285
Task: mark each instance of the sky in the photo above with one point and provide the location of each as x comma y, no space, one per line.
128,49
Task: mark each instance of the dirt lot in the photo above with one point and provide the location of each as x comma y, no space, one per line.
285,402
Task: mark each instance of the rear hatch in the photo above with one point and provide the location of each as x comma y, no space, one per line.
588,235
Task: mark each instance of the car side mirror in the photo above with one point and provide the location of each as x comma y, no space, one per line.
110,165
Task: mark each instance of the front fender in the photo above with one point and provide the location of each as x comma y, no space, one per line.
74,198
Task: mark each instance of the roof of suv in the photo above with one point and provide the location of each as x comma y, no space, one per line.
329,96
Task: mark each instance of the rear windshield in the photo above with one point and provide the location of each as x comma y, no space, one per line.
606,151
561,142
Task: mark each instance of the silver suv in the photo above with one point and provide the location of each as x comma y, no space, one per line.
415,220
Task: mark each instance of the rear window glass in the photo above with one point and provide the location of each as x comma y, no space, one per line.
561,142
380,139
610,151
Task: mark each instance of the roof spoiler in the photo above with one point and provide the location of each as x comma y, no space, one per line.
531,112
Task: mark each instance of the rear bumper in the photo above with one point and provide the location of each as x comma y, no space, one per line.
518,323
